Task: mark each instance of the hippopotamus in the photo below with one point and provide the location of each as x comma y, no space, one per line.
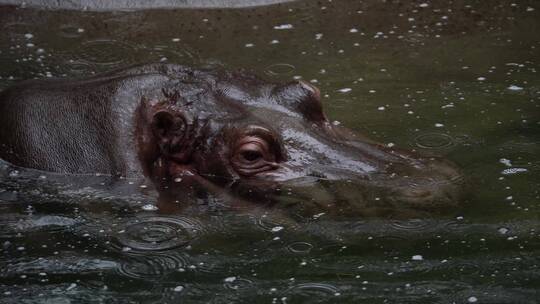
213,129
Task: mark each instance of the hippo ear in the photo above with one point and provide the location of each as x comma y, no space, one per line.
169,128
303,97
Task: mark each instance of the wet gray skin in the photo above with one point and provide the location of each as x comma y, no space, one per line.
224,132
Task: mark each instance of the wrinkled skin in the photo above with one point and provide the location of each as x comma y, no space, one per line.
229,133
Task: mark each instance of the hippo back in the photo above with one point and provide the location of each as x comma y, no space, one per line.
76,126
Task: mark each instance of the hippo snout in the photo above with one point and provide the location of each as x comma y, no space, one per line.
438,184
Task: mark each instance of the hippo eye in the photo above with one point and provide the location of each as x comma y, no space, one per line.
253,155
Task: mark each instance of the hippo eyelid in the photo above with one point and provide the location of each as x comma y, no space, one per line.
274,143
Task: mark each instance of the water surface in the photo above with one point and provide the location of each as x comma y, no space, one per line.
457,79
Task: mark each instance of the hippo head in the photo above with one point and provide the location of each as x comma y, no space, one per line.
272,143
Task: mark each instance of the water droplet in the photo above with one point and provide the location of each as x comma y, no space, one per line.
149,207
277,229
505,162
503,230
178,288
417,258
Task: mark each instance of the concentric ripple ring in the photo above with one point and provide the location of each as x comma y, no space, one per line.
159,233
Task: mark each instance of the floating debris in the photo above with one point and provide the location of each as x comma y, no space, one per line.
344,90
283,27
515,88
513,171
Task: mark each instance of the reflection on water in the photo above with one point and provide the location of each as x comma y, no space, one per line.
457,79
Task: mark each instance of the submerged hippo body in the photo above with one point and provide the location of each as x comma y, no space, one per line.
220,130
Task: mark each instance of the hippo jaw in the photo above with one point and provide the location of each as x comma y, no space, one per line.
254,140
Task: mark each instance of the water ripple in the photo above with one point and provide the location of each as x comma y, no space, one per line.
275,223
70,31
234,283
148,266
307,291
76,68
158,233
106,52
179,53
434,141
279,69
411,224
300,247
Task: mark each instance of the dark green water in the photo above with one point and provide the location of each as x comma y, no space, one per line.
458,79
